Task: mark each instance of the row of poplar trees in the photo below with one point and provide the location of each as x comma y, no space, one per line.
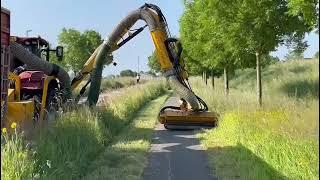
221,36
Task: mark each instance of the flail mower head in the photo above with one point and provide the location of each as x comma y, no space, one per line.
182,118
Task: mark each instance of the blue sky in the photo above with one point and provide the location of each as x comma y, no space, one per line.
47,18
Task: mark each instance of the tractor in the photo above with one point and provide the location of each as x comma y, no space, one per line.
31,94
35,84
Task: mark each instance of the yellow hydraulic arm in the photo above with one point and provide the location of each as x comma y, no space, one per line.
168,52
158,34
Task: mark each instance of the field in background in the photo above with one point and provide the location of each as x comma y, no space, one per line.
112,84
68,149
278,141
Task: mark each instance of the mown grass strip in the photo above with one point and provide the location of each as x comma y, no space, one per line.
126,157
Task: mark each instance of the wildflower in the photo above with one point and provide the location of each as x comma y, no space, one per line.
48,163
13,125
4,130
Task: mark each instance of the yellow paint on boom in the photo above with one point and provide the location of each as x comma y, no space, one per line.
158,37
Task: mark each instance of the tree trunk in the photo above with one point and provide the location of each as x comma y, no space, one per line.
226,81
206,75
202,75
212,79
259,87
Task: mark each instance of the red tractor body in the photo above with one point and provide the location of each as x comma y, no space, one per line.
31,80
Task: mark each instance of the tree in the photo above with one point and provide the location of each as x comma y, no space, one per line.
78,46
153,63
128,72
306,9
229,34
316,55
54,59
151,73
293,55
202,31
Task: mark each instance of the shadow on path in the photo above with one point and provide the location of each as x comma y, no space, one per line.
176,155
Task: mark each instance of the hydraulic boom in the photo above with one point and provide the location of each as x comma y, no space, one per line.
168,52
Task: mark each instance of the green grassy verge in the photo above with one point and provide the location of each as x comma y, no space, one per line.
277,141
79,136
126,158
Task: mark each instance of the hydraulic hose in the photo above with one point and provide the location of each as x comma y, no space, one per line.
154,19
183,92
101,59
34,62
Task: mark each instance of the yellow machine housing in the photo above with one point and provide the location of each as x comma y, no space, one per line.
188,118
20,112
23,111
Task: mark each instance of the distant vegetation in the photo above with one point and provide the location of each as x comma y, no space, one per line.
128,73
109,84
277,141
153,63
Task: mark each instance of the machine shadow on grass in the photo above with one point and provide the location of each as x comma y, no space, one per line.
238,162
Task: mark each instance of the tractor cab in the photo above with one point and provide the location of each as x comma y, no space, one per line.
32,84
27,92
32,79
38,46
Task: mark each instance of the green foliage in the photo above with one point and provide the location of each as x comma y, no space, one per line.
307,9
78,46
121,82
293,55
151,73
258,149
108,84
316,55
54,59
153,63
128,73
218,33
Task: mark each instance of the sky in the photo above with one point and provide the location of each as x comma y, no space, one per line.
47,18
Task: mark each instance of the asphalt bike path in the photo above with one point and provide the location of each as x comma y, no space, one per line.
176,155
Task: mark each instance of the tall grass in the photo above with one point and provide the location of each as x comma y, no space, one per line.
277,141
79,136
112,84
16,157
126,157
119,82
